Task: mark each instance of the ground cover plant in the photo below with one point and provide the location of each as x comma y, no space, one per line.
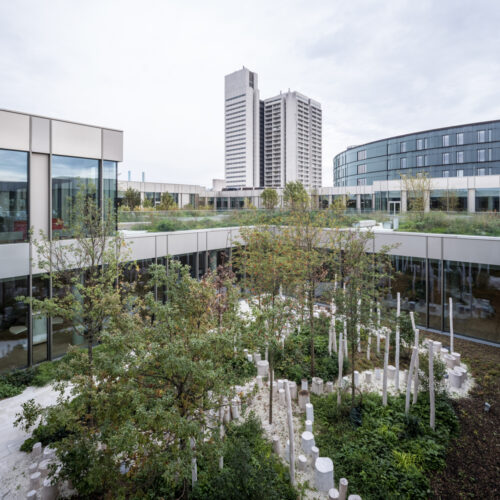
384,454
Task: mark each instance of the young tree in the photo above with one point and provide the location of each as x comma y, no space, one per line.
270,198
295,196
131,198
418,188
167,202
364,274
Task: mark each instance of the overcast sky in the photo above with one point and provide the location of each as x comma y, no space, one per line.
155,69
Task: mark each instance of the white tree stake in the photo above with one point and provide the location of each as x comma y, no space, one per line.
341,363
369,343
358,326
396,361
431,386
452,349
415,376
345,339
290,433
408,385
386,362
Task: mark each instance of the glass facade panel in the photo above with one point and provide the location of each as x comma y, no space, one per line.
487,200
460,138
475,289
435,271
13,324
446,140
13,196
69,176
109,187
40,326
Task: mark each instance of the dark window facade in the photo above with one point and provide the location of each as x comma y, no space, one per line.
14,222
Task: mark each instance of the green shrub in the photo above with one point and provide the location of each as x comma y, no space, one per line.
8,390
45,373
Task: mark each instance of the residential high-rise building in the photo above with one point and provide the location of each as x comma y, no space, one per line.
242,129
292,140
270,142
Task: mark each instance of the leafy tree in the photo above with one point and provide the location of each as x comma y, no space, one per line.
418,191
295,196
131,198
270,198
147,203
167,202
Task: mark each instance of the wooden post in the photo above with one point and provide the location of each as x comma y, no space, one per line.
290,432
396,361
386,362
341,363
408,385
452,349
431,386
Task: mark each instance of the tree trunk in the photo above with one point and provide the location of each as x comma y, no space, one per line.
271,373
311,326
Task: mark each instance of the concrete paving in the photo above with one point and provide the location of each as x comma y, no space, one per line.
14,479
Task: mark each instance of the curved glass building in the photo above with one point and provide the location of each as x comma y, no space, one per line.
460,151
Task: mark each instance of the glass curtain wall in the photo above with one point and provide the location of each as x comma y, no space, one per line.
70,176
40,326
13,196
487,200
109,187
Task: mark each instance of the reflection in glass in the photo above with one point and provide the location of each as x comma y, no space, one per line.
69,176
435,293
40,291
13,196
109,187
13,324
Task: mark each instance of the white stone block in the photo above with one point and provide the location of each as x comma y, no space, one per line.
48,491
32,468
281,397
456,378
49,453
281,384
456,355
276,445
32,494
43,467
343,484
37,450
329,387
391,372
378,374
356,378
293,389
317,385
449,360
257,357
260,384
443,351
368,377
304,386
323,473
302,462
249,358
314,454
303,400
309,426
437,346
35,480
353,497
310,412
263,368
463,370
333,494
307,442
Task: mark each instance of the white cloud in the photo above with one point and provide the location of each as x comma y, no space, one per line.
155,69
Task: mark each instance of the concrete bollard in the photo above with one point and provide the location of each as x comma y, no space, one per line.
314,454
317,385
463,370
35,480
36,452
444,351
405,377
450,361
49,453
32,468
303,400
456,355
304,386
353,497
276,445
260,384
323,473
310,412
257,357
368,377
32,495
249,358
391,373
378,374
356,378
275,389
281,384
343,484
309,426
302,462
235,410
307,442
333,494
43,467
329,387
293,389
281,397
263,368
